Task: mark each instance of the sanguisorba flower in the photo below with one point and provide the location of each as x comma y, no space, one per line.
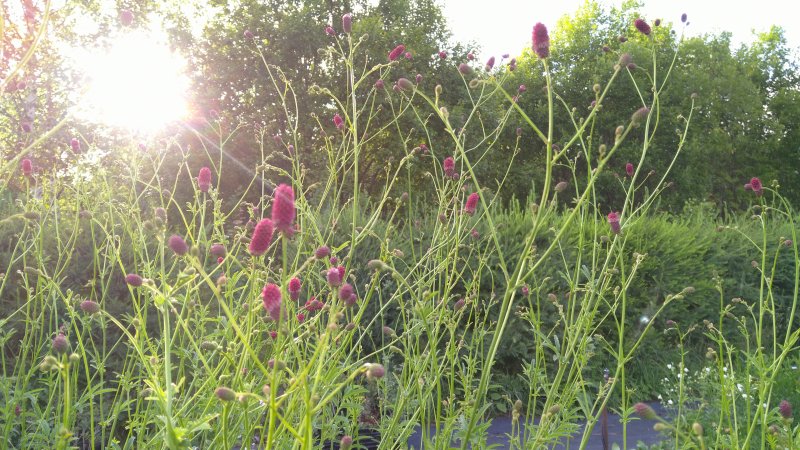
449,166
60,344
217,250
134,280
472,203
613,221
755,186
396,52
541,41
785,409
75,144
338,121
405,84
178,245
27,167
333,277
644,411
90,307
262,237
640,115
642,26
204,179
294,288
489,64
126,17
629,169
283,209
347,23
322,251
271,296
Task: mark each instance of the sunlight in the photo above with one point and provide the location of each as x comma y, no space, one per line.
137,84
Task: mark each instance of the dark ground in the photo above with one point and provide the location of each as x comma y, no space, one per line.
638,430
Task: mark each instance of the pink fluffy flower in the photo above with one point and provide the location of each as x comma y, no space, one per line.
472,203
613,221
541,41
755,186
322,252
449,166
134,280
490,64
347,23
347,294
75,144
178,245
294,288
283,209
629,169
394,54
338,121
262,237
217,250
126,17
333,277
27,167
272,300
642,26
204,179
442,54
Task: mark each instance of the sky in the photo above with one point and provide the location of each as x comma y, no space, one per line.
504,26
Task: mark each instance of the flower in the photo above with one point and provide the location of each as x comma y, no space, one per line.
561,186
27,167
346,442
472,203
333,277
755,186
225,394
283,209
394,54
449,166
645,411
126,17
134,280
470,56
347,23
684,17
379,84
640,115
271,296
405,84
629,169
217,250
489,64
248,34
613,221
375,371
465,69
408,55
90,307
60,344
418,78
512,65
75,144
204,179
322,252
347,294
262,237
337,120
178,245
442,54
785,409
541,41
294,288
522,88
26,127
642,26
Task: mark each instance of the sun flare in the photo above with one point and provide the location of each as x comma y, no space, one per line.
137,84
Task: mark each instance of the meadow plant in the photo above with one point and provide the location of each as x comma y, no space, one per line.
219,344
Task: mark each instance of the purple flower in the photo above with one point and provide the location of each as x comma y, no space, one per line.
60,344
346,293
442,54
405,84
755,186
472,203
338,121
26,127
90,307
126,17
204,179
512,65
347,23
75,144
785,409
640,115
217,250
408,55
283,209
613,221
134,280
644,411
470,56
178,245
449,166
489,64
642,26
271,296
629,169
27,167
418,78
294,288
248,34
465,69
394,54
262,237
522,88
379,84
541,41
330,31
684,17
333,277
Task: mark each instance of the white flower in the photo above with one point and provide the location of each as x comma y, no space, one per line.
669,402
669,366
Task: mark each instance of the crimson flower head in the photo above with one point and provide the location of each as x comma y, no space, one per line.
262,237
347,294
333,277
379,84
645,411
613,221
442,54
27,167
338,121
785,409
75,144
126,17
178,245
322,252
472,203
217,250
272,300
449,166
283,209
642,26
204,179
541,41
409,56
347,23
629,169
490,64
294,288
394,54
248,34
330,31
134,280
755,186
